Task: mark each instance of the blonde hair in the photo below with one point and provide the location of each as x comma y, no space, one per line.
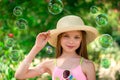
82,50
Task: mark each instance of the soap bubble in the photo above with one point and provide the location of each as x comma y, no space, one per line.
94,9
49,49
55,7
9,42
21,23
17,11
15,55
101,20
105,40
105,63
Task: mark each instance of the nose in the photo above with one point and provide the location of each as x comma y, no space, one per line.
71,40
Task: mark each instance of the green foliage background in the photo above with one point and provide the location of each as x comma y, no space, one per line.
35,12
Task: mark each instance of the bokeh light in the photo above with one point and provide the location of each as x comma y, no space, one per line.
55,7
105,63
101,20
17,11
11,35
105,40
22,24
2,67
1,45
9,42
93,9
49,49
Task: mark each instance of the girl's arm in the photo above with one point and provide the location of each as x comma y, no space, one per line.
24,71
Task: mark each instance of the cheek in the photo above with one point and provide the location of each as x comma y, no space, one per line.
78,42
63,41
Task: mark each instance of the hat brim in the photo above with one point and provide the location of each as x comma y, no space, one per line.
91,33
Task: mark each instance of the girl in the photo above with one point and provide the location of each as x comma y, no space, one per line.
70,39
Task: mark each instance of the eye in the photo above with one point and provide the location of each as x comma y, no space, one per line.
65,36
77,37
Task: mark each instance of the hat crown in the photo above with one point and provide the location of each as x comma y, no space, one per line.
70,21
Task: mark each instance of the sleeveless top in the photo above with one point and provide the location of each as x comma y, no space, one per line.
72,74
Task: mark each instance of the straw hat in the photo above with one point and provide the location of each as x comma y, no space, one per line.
69,23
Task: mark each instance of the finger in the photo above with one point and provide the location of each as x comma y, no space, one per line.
45,34
47,38
48,33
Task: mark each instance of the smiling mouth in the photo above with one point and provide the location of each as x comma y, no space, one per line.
70,47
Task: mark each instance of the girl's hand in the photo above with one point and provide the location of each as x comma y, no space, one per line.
42,39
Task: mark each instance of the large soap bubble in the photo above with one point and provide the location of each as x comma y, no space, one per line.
9,42
101,20
16,55
22,24
105,63
55,7
105,40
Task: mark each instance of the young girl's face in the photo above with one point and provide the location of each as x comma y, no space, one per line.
70,41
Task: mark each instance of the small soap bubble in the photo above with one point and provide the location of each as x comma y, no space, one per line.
49,49
17,11
93,9
105,63
101,20
22,24
105,40
15,55
9,42
55,7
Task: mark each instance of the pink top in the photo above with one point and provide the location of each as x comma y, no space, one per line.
75,73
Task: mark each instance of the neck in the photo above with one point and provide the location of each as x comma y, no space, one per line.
69,54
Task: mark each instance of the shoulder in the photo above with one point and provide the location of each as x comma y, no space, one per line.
87,62
88,65
89,69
